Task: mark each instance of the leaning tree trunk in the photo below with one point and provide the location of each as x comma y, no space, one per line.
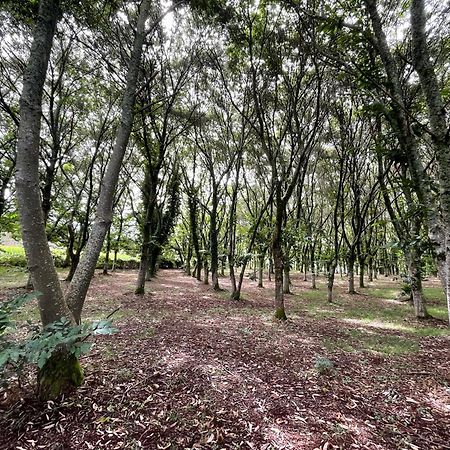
60,373
423,64
77,291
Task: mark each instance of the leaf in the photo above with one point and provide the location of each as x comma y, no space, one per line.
103,327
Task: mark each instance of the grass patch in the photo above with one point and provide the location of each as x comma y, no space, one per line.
12,276
14,255
374,309
386,293
436,302
359,340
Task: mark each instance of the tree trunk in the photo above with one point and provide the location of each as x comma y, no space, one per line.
270,270
277,251
145,250
192,204
108,249
330,281
438,122
187,268
52,306
116,249
361,271
205,271
76,294
415,276
214,246
286,279
370,268
74,260
351,274
313,268
260,270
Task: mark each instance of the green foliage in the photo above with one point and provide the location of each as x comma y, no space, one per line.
40,344
323,366
15,256
217,10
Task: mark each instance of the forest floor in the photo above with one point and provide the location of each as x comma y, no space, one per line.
191,369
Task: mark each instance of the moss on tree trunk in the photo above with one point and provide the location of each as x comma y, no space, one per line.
280,314
61,374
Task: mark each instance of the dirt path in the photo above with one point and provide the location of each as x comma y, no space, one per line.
191,369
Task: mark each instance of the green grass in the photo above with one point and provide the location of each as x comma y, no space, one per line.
385,292
377,310
358,340
12,276
14,255
436,301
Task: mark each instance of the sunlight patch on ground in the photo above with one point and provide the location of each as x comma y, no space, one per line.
176,360
440,400
286,439
378,324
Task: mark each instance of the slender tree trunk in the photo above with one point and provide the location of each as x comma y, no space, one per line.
277,251
192,204
119,237
59,375
313,268
205,271
145,250
370,269
270,270
214,246
330,281
260,270
76,294
286,278
351,273
187,268
361,271
108,249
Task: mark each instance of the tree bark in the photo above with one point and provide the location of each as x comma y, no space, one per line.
439,127
330,282
351,273
214,246
52,305
415,275
277,251
286,278
361,262
108,249
39,258
76,294
260,270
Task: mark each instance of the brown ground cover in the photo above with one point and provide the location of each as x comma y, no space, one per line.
191,369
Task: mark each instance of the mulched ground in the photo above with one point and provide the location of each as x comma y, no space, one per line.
190,369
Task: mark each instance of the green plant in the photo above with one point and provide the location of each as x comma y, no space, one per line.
39,344
323,366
